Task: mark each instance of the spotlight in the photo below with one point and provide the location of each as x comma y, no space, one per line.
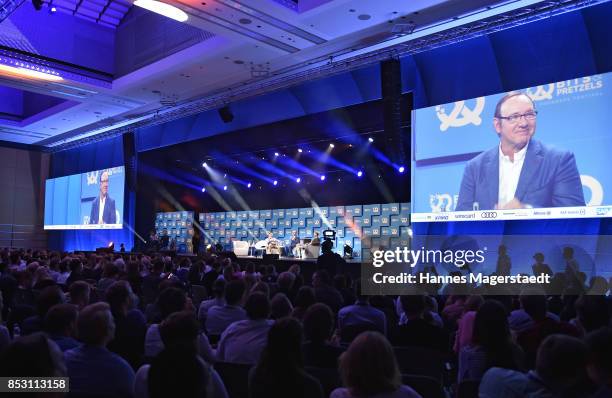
359,173
53,9
225,187
275,183
371,139
224,175
275,153
331,145
204,164
298,180
300,150
204,189
249,185
401,169
322,178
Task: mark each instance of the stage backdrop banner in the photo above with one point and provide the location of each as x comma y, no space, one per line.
178,225
573,115
351,223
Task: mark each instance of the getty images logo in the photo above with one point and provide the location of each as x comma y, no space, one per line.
92,177
461,115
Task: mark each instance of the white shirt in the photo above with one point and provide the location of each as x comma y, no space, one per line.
101,209
509,174
243,341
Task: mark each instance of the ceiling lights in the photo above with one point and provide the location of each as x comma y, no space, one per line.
164,9
31,72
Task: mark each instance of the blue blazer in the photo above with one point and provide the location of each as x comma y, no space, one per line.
109,216
549,178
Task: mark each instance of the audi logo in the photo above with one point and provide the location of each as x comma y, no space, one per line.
488,214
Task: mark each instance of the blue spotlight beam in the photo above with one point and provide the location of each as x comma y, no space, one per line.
326,158
165,176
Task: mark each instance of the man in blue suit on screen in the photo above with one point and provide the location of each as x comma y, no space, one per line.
103,207
521,172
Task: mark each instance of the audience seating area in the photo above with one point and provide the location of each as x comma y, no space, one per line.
144,325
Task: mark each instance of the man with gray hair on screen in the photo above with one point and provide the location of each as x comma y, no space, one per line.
520,172
103,206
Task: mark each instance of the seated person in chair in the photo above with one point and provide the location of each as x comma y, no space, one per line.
294,244
272,244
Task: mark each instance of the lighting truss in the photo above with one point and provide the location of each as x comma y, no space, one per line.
7,7
421,39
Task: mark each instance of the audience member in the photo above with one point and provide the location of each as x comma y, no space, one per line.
360,316
32,356
304,298
543,326
560,365
280,372
599,365
79,294
417,331
369,369
491,346
61,325
465,325
318,349
243,341
218,290
592,312
220,317
47,298
181,338
130,323
285,283
92,368
170,300
325,292
280,306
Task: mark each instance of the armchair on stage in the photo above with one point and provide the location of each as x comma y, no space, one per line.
310,251
241,247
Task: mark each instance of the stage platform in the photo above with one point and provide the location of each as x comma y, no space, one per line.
307,265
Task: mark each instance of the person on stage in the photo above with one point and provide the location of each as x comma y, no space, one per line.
294,242
103,206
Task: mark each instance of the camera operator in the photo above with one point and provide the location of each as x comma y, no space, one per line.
330,261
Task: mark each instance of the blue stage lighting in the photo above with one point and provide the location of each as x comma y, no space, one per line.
322,178
275,153
300,150
204,164
275,183
401,169
225,187
249,185
203,189
298,180
371,139
359,173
